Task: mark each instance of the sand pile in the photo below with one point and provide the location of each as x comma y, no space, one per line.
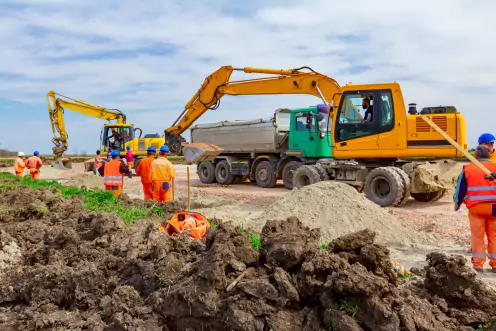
87,179
338,209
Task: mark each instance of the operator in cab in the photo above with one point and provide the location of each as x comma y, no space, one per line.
488,139
34,164
112,173
369,110
161,176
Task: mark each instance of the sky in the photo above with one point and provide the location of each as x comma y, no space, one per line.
148,58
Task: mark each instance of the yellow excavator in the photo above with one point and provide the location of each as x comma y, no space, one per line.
389,153
116,135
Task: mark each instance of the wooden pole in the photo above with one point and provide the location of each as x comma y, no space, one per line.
189,190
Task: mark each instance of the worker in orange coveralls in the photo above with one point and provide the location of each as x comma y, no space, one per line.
143,170
34,164
112,172
161,176
479,195
20,164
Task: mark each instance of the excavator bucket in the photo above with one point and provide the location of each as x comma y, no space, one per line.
62,164
434,176
198,152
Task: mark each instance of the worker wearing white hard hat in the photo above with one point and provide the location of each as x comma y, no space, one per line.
19,164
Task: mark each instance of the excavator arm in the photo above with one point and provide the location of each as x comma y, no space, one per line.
218,84
56,105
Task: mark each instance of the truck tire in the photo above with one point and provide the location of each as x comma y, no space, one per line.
322,172
136,162
288,173
264,175
223,173
429,196
406,186
206,172
384,186
306,175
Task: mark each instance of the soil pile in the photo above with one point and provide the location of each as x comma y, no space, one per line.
338,209
87,179
85,271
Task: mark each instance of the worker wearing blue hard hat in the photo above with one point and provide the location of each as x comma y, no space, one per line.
113,172
34,164
143,170
162,176
488,139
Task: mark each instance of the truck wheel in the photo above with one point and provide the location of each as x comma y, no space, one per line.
429,196
322,172
306,175
136,162
384,186
264,175
406,186
206,172
223,173
288,173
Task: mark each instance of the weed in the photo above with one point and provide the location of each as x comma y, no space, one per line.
322,245
483,327
407,276
255,240
348,307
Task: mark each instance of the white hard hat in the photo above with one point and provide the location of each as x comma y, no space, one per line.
21,154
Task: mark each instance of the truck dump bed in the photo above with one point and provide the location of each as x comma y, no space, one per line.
264,135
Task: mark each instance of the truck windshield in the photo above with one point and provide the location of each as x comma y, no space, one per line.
325,124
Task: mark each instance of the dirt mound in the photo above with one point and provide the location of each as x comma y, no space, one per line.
73,270
338,209
87,179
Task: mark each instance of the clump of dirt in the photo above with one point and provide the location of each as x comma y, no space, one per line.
338,209
74,270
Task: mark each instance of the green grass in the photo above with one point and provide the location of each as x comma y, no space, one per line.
348,307
95,200
10,160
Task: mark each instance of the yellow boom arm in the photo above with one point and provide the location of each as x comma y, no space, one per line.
56,105
217,85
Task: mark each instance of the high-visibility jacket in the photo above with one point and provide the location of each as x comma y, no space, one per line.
98,162
182,221
479,189
33,163
129,156
112,175
19,165
144,168
161,170
492,157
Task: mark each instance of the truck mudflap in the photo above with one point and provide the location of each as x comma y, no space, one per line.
198,152
433,176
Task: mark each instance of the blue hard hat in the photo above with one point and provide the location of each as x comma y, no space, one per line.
36,153
128,147
164,149
151,149
115,153
486,138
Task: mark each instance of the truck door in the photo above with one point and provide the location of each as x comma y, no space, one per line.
355,136
304,136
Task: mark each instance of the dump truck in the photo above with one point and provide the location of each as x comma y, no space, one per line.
295,145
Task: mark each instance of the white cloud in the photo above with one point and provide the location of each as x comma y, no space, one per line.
441,52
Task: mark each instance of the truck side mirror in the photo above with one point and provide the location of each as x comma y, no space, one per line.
309,121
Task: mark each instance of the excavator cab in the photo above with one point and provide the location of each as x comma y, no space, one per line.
115,136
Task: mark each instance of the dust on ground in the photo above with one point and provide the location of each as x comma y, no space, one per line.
84,271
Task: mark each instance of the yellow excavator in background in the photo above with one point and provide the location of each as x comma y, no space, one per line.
116,135
389,153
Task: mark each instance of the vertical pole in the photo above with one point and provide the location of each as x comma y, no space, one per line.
189,190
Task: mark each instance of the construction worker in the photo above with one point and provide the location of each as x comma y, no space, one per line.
161,176
479,195
19,164
113,172
34,164
143,169
98,162
488,140
129,157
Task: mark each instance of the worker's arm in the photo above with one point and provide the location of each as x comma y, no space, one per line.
26,164
123,168
460,190
101,170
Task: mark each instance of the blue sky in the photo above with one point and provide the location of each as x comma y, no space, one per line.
149,58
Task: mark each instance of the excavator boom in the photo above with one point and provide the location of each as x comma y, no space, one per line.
218,84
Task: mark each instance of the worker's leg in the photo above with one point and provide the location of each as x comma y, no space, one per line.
130,165
491,236
116,190
477,231
168,195
157,192
18,173
147,191
37,175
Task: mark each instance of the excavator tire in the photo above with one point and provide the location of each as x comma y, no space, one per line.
264,175
206,172
322,172
384,186
223,173
429,196
306,175
406,186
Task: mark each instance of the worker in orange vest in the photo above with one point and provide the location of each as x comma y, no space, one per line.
34,164
161,176
488,140
98,162
479,195
113,172
143,170
20,164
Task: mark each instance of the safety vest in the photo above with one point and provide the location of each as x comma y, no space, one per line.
161,170
196,223
98,162
111,173
479,189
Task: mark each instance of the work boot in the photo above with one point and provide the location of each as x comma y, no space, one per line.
480,270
